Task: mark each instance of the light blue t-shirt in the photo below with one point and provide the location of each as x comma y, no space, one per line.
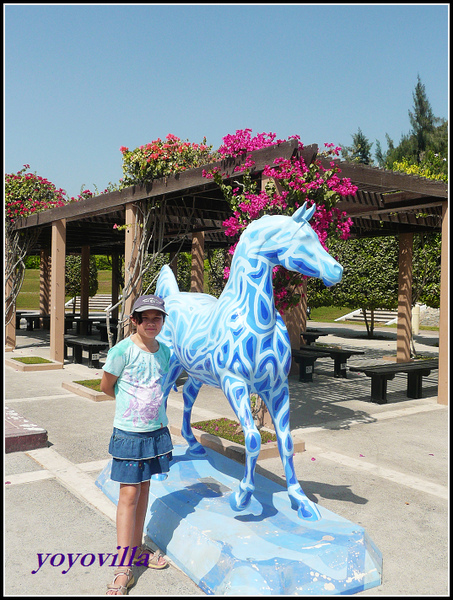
138,391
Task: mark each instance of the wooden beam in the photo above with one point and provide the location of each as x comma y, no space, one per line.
381,206
364,175
192,178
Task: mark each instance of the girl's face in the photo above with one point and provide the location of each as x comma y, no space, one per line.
151,323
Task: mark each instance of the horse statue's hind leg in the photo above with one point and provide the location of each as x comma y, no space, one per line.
278,407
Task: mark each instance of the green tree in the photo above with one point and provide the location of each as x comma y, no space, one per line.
360,151
426,269
422,119
153,265
370,277
73,267
428,133
217,260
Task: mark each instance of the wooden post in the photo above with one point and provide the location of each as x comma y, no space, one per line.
57,290
132,281
115,283
84,288
404,332
303,307
174,263
293,320
44,283
197,272
442,389
10,328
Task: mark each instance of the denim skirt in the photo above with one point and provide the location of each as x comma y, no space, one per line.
139,455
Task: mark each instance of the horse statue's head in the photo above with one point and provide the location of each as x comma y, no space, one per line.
292,243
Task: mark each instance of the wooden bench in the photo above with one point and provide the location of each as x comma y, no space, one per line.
311,336
79,344
306,361
339,355
380,374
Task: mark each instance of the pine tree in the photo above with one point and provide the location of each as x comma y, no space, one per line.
422,119
360,151
428,133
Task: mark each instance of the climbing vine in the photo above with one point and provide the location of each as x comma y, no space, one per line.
25,194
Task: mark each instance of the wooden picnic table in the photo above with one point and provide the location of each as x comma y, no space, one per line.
80,344
34,320
103,329
85,326
307,356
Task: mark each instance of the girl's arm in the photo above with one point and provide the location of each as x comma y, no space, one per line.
108,383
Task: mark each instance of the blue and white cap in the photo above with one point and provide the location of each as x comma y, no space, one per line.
149,303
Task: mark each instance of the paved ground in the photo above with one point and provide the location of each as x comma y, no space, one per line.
384,467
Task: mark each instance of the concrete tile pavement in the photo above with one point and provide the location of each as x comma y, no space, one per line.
384,467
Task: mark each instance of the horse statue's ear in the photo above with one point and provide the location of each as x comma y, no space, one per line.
303,213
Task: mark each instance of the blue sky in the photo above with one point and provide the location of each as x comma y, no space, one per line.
82,80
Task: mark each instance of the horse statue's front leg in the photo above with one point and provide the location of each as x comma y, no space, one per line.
277,402
190,392
238,396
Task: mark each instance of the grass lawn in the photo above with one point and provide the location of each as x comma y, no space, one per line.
31,360
230,430
28,298
93,384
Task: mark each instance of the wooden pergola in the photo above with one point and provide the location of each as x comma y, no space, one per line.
188,212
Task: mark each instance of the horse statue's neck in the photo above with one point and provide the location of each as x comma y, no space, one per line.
249,285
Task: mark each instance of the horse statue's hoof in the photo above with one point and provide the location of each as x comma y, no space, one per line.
159,476
236,505
308,512
197,450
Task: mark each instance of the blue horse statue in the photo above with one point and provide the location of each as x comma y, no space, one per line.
239,341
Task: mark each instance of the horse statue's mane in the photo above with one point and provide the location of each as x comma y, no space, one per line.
239,341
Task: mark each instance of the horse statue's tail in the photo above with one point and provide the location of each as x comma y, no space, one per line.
166,283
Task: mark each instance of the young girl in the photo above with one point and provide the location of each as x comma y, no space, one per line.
140,444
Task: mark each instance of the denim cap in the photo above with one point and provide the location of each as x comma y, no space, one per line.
149,303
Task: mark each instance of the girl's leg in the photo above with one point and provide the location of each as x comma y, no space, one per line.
140,516
126,516
125,524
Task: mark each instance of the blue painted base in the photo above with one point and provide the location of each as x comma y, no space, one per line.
266,549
